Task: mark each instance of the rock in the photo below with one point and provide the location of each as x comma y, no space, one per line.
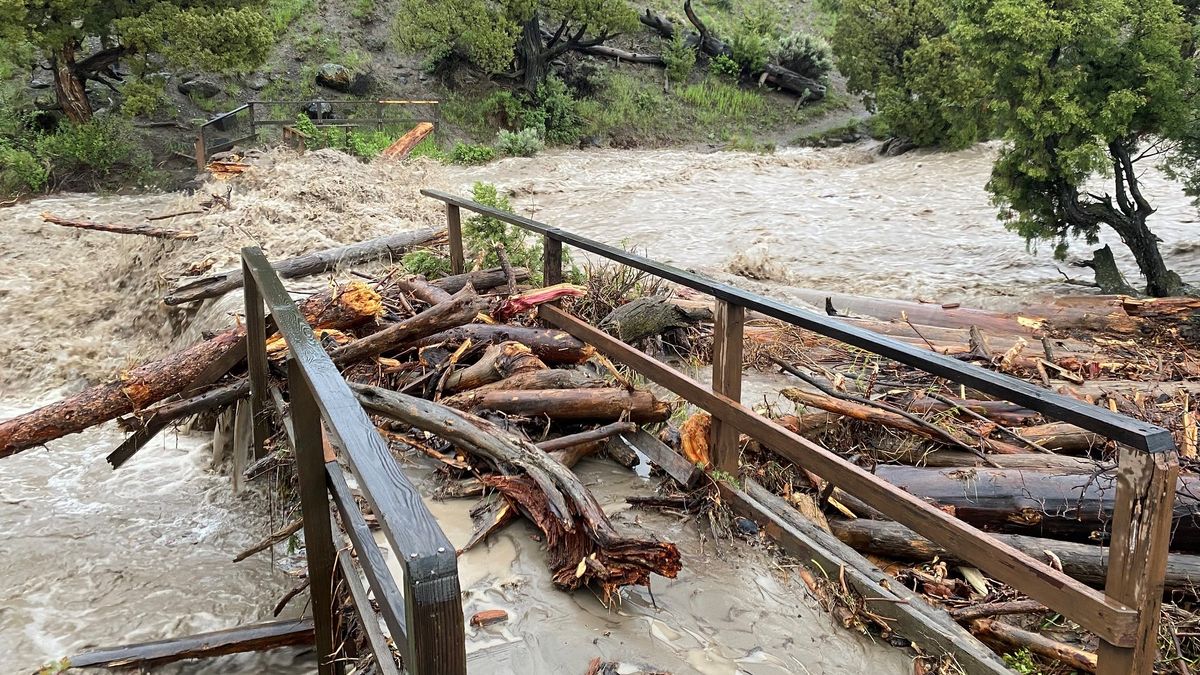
200,87
319,110
362,84
40,83
488,617
335,76
257,82
745,526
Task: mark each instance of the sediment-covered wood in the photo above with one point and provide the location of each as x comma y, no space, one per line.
252,638
571,404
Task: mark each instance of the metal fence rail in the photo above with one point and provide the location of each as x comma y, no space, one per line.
423,611
1124,615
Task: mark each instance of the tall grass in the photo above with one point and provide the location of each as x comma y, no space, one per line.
282,13
717,101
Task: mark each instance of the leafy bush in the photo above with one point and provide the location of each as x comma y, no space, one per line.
680,58
805,54
427,263
20,171
553,111
524,143
93,151
142,98
723,66
362,144
750,49
428,147
465,153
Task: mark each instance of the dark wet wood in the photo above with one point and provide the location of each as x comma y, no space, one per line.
570,404
1089,608
454,232
389,247
661,455
723,444
1015,638
551,346
497,363
597,434
552,262
462,307
251,638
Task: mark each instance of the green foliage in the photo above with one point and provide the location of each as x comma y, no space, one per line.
553,111
1022,662
761,17
427,263
281,13
524,143
363,144
20,171
223,39
93,152
363,9
465,153
1076,86
749,48
428,147
805,54
910,72
486,33
680,58
624,105
482,235
143,97
723,101
723,66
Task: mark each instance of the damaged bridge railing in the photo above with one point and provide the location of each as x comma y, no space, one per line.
1124,615
423,609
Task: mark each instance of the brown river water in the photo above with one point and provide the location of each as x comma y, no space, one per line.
93,557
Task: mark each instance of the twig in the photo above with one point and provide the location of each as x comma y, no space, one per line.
272,539
971,413
287,597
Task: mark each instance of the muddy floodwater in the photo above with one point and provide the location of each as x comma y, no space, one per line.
93,557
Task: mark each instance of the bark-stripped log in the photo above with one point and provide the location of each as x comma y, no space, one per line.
1015,638
462,307
570,404
391,246
583,546
551,346
498,362
143,230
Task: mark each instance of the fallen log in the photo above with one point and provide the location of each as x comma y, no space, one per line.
497,363
551,346
1001,412
143,230
553,378
1086,562
1063,437
252,638
1040,502
989,609
391,246
649,316
479,279
420,288
462,307
597,434
570,404
405,144
894,420
623,55
583,546
997,632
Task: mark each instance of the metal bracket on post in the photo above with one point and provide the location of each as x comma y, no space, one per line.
314,506
256,361
1137,554
729,321
454,232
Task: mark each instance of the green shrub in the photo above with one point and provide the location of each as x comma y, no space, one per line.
363,9
553,111
465,153
368,144
143,98
482,234
680,58
762,18
524,143
428,147
21,172
805,54
427,263
723,66
749,48
93,151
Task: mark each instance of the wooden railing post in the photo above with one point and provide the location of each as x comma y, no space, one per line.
256,361
1137,557
433,611
314,505
201,151
552,263
454,232
727,381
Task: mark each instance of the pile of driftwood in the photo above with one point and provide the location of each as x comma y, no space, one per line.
1042,486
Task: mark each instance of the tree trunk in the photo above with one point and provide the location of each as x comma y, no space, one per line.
1016,638
498,362
463,306
571,404
68,86
1160,281
549,345
532,54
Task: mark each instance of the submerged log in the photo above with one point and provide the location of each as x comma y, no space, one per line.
1072,506
571,404
649,316
583,546
143,230
391,246
1086,562
252,638
551,346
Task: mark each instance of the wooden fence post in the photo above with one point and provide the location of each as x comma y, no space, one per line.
727,381
454,232
256,361
552,264
314,506
201,151
1137,557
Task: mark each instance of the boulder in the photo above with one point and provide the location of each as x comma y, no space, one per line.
335,76
199,87
257,82
319,110
41,83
